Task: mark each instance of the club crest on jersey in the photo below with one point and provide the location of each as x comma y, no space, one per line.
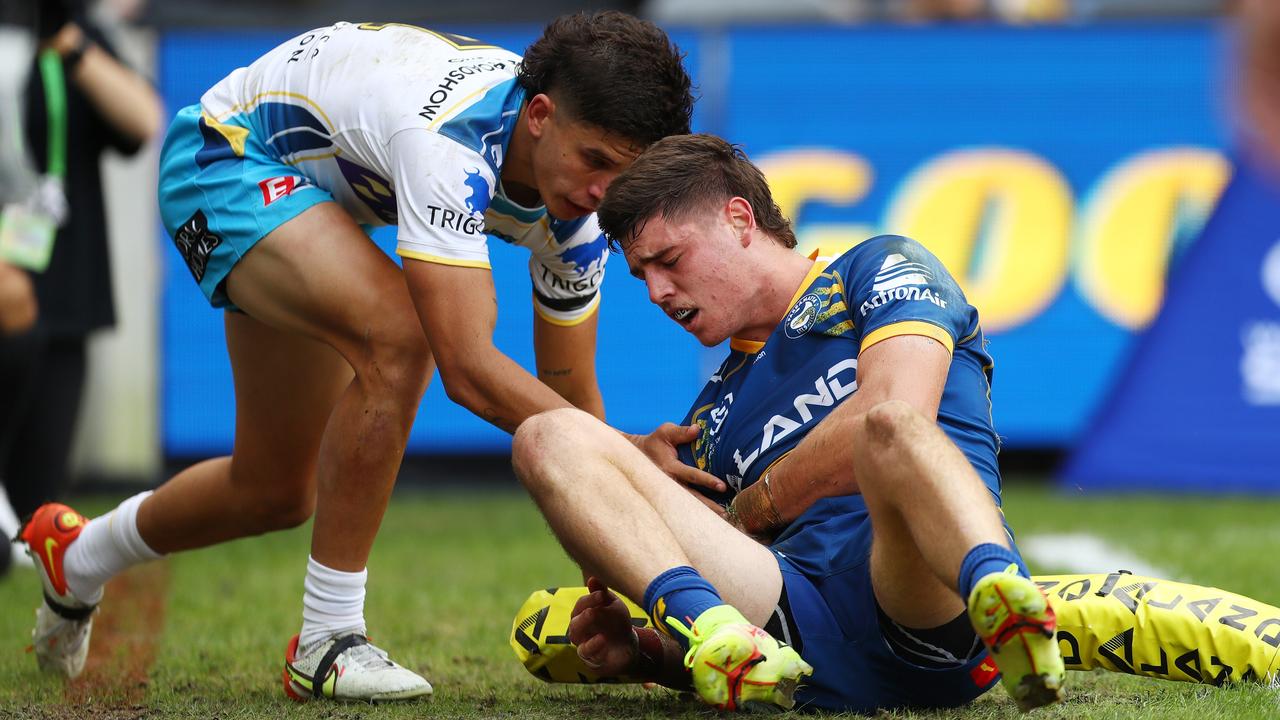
802,316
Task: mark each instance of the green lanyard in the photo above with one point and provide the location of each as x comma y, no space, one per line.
55,98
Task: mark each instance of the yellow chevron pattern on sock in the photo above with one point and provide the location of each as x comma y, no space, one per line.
1164,629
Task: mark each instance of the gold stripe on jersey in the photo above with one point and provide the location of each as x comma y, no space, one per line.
253,102
438,260
741,363
523,225
592,307
464,101
908,327
832,310
840,329
299,158
699,442
234,135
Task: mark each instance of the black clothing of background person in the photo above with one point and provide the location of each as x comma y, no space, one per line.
42,371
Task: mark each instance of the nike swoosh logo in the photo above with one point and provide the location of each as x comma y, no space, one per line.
49,546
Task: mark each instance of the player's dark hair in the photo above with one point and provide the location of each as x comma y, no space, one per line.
682,173
613,71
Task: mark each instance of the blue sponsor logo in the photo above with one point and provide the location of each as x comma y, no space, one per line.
584,257
478,201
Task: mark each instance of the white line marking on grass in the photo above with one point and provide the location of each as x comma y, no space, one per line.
1085,553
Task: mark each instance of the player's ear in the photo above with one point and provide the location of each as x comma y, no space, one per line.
538,112
741,219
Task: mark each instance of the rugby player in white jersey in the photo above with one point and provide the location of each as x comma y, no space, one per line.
264,188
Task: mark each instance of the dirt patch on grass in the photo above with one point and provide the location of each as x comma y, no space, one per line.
125,635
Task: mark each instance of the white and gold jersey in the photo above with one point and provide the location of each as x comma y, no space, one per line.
407,126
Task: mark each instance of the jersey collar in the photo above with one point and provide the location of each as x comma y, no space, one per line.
753,346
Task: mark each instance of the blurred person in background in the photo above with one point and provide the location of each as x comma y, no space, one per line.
264,187
47,317
1260,57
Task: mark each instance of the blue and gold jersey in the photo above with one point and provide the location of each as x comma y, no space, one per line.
766,397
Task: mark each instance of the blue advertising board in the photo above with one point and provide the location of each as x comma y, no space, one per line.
1197,408
1055,171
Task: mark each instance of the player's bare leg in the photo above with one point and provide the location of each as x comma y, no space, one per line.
286,389
936,533
350,296
600,495
330,366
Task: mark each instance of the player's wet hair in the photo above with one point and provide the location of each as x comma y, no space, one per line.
613,71
682,173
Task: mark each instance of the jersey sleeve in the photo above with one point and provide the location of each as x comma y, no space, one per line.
897,287
442,192
567,269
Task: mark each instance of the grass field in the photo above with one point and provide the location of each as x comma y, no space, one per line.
203,633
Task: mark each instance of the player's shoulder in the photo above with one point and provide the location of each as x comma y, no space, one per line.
878,248
415,40
885,256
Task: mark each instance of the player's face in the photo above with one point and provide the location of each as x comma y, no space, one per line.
695,271
573,164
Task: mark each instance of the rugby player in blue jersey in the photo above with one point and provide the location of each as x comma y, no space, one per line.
852,422
265,185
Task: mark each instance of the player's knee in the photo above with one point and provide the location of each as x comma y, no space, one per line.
398,365
281,511
545,437
887,422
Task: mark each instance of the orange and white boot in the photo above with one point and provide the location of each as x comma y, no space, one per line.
63,622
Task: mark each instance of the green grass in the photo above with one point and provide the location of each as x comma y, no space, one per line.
450,569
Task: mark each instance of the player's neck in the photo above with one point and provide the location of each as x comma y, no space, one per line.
785,270
516,173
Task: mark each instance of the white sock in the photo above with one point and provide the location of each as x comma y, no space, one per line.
107,546
332,604
9,522
9,527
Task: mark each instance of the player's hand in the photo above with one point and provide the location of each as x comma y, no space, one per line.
18,308
600,627
660,447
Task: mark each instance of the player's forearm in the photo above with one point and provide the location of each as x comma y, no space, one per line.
494,387
907,368
576,385
124,98
820,466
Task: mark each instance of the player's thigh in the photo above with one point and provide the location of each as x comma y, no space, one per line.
744,572
258,235
319,275
286,387
906,587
